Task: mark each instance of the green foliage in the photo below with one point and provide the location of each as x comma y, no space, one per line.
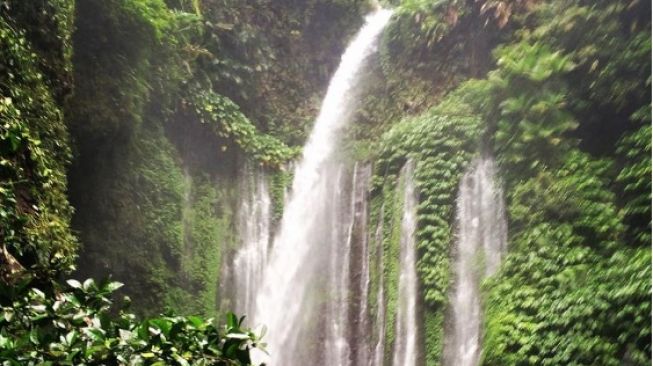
274,58
34,154
635,177
144,214
576,285
570,86
558,301
170,95
229,122
47,27
203,231
528,103
610,42
441,142
575,193
129,56
433,19
280,183
431,46
159,227
390,214
434,336
441,146
77,324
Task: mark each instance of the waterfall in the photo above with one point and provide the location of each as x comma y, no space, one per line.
300,265
405,347
481,242
346,309
336,346
379,320
361,258
254,214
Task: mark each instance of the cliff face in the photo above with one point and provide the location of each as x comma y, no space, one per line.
171,100
166,102
560,91
35,74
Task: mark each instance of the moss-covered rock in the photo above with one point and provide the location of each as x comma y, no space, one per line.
34,146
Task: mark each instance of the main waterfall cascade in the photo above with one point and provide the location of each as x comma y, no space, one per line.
310,284
302,259
481,242
405,347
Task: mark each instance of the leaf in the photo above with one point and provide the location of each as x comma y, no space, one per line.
88,284
113,286
74,283
232,321
237,336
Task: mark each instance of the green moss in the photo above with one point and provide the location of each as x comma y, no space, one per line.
167,102
47,27
34,155
376,224
229,122
392,215
158,227
204,232
558,285
577,279
441,142
433,337
280,183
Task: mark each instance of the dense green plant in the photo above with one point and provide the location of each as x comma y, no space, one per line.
569,292
575,288
274,58
386,214
47,27
280,183
78,324
635,176
569,88
145,213
165,237
229,122
441,142
432,46
34,153
171,96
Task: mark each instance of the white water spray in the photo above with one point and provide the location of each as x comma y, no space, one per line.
294,276
405,347
379,320
481,242
254,215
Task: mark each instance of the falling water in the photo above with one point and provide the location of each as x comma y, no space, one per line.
336,346
254,232
298,270
379,321
405,347
481,242
345,315
360,259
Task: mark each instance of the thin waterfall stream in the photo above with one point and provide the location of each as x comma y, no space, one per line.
481,242
405,347
254,216
379,346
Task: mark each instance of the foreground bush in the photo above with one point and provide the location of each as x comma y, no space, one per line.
77,324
